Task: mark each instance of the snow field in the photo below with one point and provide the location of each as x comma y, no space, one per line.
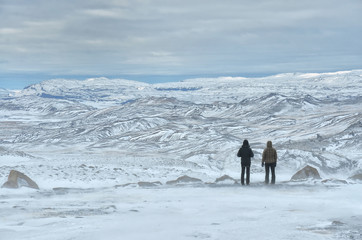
184,212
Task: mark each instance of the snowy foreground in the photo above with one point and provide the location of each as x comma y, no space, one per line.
284,211
97,201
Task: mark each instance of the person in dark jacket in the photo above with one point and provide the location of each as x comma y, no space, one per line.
270,160
245,153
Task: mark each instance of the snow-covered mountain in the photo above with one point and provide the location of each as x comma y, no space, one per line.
4,93
198,124
200,90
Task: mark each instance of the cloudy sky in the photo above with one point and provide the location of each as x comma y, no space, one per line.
160,40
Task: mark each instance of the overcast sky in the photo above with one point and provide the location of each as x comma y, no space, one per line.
154,40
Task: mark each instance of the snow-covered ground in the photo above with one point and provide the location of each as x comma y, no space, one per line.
106,155
183,212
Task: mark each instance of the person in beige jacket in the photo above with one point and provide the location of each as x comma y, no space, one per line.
270,161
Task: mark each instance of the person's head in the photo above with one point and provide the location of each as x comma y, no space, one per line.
246,143
269,144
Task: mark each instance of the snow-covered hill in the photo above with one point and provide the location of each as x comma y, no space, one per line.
4,93
194,124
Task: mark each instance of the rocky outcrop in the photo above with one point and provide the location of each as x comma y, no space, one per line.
18,179
184,179
225,180
149,184
334,181
357,177
307,172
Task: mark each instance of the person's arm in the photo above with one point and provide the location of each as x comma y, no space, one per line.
239,153
275,155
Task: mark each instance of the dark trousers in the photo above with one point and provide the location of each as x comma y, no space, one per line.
243,168
270,166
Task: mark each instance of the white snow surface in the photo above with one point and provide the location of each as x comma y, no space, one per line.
230,212
104,153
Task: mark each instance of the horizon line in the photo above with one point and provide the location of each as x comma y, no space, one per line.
24,80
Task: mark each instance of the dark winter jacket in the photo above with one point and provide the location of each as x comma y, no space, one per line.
246,154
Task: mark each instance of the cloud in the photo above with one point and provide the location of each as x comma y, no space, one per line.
103,13
180,37
9,31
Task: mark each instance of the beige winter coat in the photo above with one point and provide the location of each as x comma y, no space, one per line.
269,154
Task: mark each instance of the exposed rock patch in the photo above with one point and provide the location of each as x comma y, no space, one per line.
140,184
335,181
65,190
18,179
149,184
356,177
184,179
226,179
124,185
305,173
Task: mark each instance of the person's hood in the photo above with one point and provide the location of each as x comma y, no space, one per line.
269,144
246,143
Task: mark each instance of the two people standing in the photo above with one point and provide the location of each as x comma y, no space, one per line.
269,160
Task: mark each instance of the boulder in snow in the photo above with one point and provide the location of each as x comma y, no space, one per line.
357,177
17,179
184,179
334,181
226,179
307,172
149,184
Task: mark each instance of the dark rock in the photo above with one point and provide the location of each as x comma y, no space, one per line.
149,184
125,185
356,177
337,223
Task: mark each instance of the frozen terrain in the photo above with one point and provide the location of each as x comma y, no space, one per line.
229,212
105,154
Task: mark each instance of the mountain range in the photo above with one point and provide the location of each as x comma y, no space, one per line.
197,124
